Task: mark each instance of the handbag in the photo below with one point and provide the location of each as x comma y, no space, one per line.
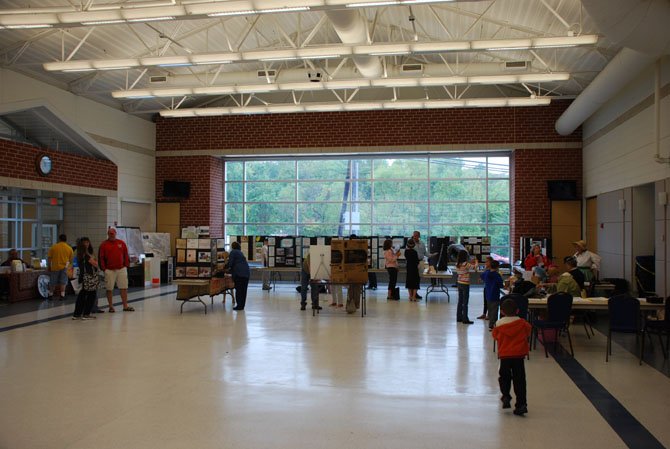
91,281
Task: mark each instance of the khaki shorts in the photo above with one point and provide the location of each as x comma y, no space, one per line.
118,277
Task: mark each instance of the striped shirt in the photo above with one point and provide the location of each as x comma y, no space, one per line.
463,272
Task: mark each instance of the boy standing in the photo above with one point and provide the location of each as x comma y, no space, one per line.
492,285
511,333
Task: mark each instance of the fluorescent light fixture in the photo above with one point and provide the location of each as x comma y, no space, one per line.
90,69
493,79
502,44
28,26
285,9
281,58
232,13
176,64
113,68
368,106
371,4
213,62
320,57
390,53
152,19
103,22
543,77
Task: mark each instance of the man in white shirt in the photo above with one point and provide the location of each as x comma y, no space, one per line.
587,261
266,261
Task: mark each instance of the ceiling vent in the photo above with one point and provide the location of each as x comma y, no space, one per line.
158,79
517,65
412,69
272,74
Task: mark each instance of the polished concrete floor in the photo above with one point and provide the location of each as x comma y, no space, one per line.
406,376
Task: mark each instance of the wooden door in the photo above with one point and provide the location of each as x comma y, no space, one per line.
566,227
592,224
167,220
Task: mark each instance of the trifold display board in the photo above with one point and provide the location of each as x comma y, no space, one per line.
479,247
288,251
199,258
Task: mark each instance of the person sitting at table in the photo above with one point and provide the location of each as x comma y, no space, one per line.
588,262
566,282
536,258
575,272
13,255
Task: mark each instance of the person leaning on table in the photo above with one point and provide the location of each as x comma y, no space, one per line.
239,268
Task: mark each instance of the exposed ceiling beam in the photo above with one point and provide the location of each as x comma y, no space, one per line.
323,52
405,81
359,106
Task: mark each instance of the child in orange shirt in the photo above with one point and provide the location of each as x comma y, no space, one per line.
511,333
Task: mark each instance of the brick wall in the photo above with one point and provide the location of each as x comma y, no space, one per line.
530,212
19,160
365,128
530,169
204,206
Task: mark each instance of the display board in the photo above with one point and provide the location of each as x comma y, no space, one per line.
199,257
319,262
477,246
133,238
156,243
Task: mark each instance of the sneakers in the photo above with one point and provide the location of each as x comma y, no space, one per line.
520,410
467,322
506,401
76,318
89,317
267,287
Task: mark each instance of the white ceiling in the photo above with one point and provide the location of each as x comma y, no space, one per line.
26,50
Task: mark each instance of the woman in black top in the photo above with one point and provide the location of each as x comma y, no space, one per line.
412,280
88,279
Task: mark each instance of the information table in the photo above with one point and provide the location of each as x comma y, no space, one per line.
190,290
437,282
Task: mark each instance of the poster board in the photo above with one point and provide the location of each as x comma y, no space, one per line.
319,262
133,239
157,243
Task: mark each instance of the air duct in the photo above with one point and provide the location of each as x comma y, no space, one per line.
350,26
621,70
639,25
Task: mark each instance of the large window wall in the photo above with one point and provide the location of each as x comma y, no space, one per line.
29,221
439,195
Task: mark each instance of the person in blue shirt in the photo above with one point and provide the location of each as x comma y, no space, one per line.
239,268
492,284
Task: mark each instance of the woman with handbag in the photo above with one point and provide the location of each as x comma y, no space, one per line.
89,280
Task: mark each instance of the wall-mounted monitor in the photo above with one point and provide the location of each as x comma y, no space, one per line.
176,189
562,190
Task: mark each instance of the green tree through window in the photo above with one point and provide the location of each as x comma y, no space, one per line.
437,195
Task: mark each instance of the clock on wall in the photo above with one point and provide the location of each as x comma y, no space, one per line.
44,164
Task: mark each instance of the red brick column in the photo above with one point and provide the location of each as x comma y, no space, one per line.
204,206
530,210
